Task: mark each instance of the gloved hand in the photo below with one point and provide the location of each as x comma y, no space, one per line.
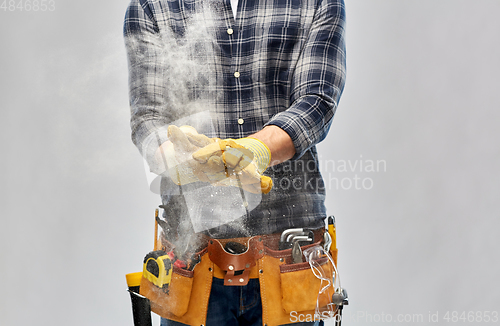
194,157
175,155
244,160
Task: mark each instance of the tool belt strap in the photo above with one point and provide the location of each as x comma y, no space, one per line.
238,269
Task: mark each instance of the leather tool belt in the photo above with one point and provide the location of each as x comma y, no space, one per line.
285,287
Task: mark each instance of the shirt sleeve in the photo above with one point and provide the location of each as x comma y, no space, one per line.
318,80
148,102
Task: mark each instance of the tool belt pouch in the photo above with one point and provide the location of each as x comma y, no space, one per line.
301,288
170,299
236,266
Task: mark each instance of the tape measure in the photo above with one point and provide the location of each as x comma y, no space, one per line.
158,269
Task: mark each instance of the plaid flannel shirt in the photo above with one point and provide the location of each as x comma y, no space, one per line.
281,63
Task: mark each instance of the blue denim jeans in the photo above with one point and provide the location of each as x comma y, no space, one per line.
235,306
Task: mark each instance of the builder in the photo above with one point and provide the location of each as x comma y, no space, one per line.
280,72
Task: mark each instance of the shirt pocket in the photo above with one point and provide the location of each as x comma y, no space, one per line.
280,44
281,35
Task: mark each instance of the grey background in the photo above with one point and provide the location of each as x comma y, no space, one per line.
422,95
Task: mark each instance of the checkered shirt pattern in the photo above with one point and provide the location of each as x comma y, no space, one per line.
281,62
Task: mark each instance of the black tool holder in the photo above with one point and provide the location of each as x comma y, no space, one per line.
141,308
344,301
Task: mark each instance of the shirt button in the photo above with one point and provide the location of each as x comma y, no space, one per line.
241,121
237,74
230,31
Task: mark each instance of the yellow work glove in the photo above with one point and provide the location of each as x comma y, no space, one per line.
175,155
192,157
244,160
